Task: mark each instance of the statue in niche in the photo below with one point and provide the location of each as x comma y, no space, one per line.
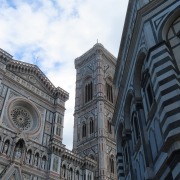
28,157
43,165
6,147
36,160
18,153
19,149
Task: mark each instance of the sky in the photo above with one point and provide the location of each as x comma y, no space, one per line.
52,33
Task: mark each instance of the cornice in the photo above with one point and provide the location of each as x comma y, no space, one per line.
146,9
136,29
23,67
97,49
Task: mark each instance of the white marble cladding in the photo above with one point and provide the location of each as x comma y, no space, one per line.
29,86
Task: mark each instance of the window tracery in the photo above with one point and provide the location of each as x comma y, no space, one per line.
91,126
109,126
84,130
21,118
109,92
88,91
6,147
111,161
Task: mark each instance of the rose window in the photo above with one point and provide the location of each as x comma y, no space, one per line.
21,118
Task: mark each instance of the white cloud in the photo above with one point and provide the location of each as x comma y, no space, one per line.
58,31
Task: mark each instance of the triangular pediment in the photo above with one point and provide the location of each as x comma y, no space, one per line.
34,80
31,74
13,173
33,77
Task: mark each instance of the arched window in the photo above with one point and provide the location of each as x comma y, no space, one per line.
77,175
71,173
147,89
6,147
126,157
64,171
89,176
29,156
109,126
84,130
91,126
111,161
55,164
58,131
59,119
109,92
88,92
173,36
135,127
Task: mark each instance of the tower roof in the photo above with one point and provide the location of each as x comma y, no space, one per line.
98,48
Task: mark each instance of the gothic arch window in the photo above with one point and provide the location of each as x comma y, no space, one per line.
71,173
55,164
58,131
29,156
126,158
88,91
91,125
89,176
109,124
109,92
84,130
173,37
59,119
77,175
148,90
6,147
111,162
64,171
135,127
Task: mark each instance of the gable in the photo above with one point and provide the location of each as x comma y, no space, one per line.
13,173
31,74
33,80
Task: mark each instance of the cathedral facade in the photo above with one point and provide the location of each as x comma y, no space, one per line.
147,84
94,107
31,127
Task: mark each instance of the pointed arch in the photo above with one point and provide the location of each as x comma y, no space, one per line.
127,109
170,18
138,72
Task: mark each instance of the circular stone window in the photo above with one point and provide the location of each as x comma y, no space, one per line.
24,115
21,118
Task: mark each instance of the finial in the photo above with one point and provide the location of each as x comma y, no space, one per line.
36,60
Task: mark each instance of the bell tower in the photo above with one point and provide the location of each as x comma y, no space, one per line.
94,106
